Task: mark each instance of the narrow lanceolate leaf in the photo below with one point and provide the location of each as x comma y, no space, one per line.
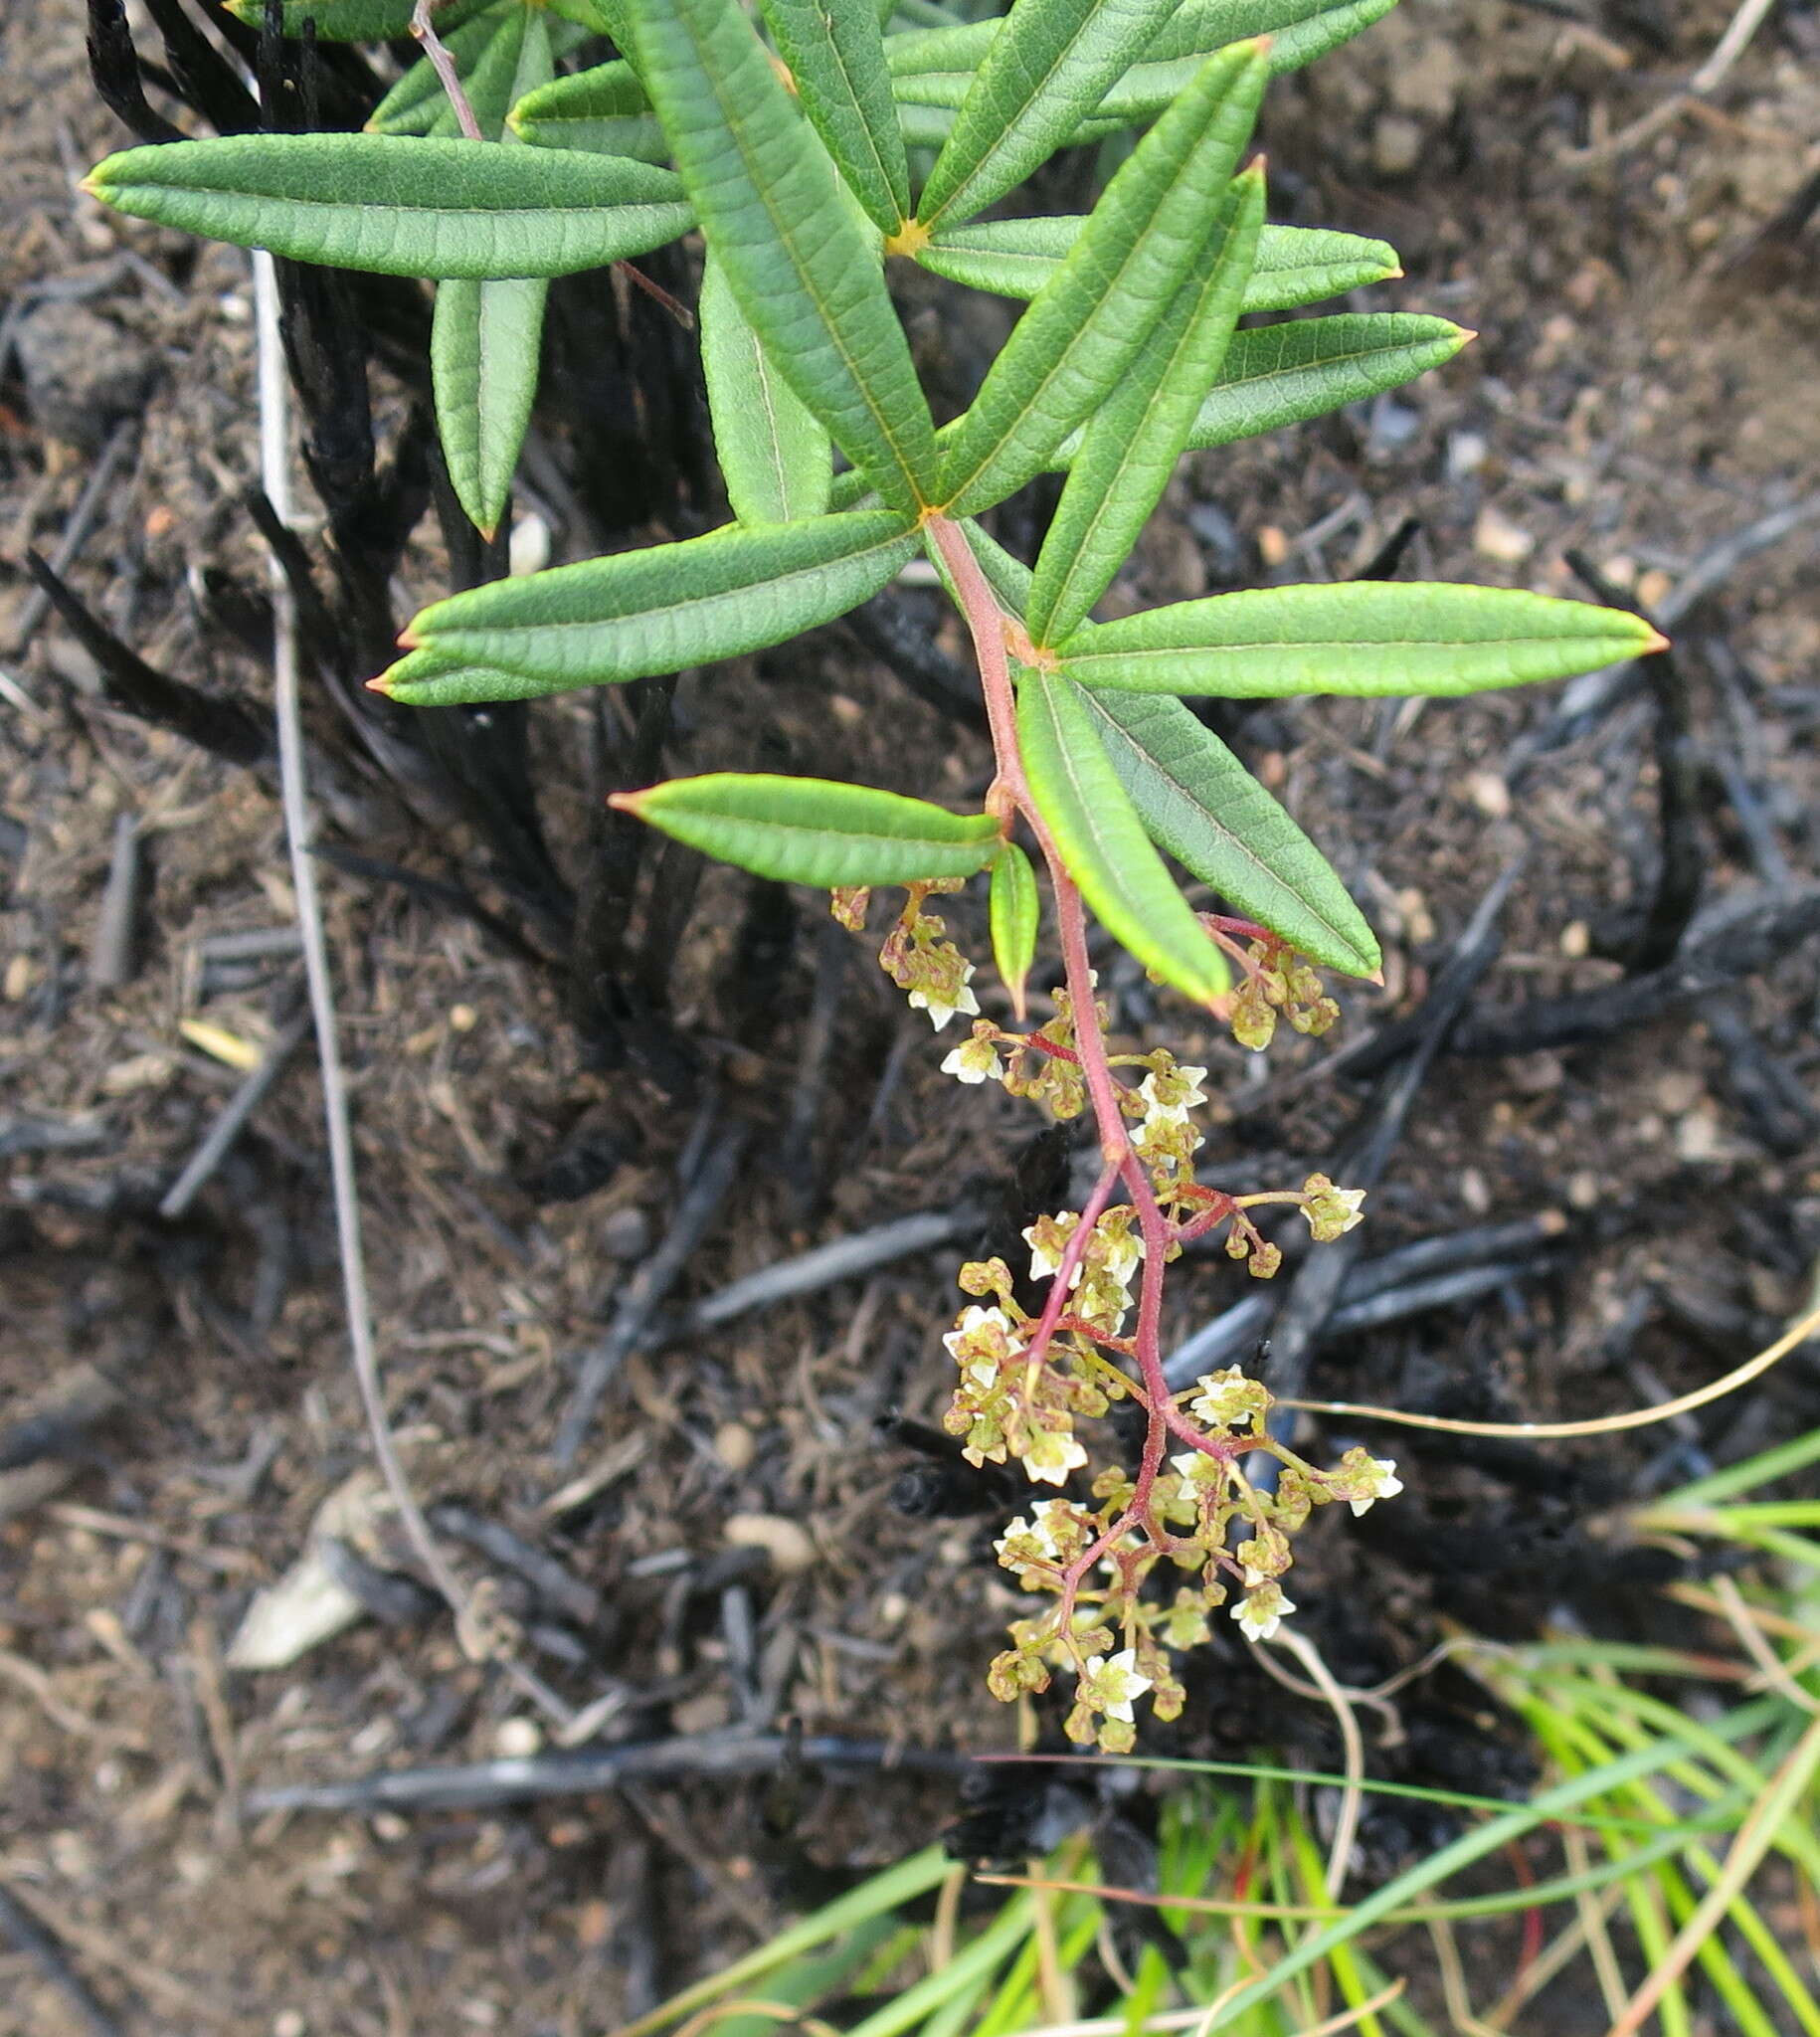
836,55
656,609
1046,71
1086,326
1364,638
1014,913
1277,375
486,336
433,679
1306,28
603,110
1130,446
485,342
398,205
1198,802
1296,266
773,453
355,21
813,831
1102,839
796,259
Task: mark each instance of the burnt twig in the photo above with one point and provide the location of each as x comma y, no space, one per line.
37,1943
234,1114
1653,940
223,727
645,1290
842,1258
584,1772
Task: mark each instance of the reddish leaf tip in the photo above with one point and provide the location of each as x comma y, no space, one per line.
382,685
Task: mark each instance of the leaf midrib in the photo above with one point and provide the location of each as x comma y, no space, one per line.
789,239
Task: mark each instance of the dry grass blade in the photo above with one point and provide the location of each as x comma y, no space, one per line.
1608,1424
1754,1838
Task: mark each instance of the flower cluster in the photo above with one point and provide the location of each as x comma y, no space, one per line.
1204,1516
1190,1517
1275,980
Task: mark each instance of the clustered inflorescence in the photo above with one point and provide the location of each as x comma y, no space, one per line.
1026,1381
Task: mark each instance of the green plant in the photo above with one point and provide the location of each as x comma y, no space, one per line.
1661,1862
795,159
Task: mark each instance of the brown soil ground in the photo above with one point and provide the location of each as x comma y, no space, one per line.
1643,386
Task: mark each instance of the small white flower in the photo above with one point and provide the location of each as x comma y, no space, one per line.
973,1064
1044,1525
940,1014
1262,1611
973,1322
1045,1259
1196,1467
1172,1113
1117,1680
1387,1485
983,1373
1227,1399
1052,1454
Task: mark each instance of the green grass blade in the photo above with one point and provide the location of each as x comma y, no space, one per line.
1084,327
1130,446
485,342
603,110
1783,1461
1045,71
795,257
774,455
836,55
400,206
1014,913
970,1968
1200,803
814,830
1364,639
1397,1894
1296,266
655,610
1103,842
876,1897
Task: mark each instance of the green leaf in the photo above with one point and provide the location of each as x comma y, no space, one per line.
836,54
418,100
603,110
1364,638
485,343
1103,842
1046,70
775,455
959,50
400,206
354,21
1198,802
813,831
658,609
1300,30
1277,375
1084,327
518,58
795,257
1296,266
1014,913
1131,446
